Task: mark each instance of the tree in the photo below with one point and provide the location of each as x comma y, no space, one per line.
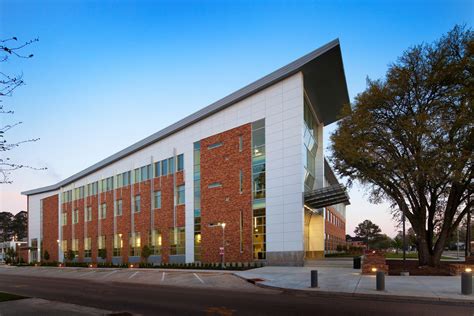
409,138
103,253
367,230
70,255
146,253
46,255
397,242
6,232
8,84
19,225
382,242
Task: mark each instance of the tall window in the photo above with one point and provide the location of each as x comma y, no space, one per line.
177,241
118,208
75,247
101,242
103,211
171,165
155,242
164,167
135,244
64,218
157,169
87,247
126,178
157,199
180,197
88,214
75,218
118,245
197,200
258,190
64,245
136,204
241,143
136,175
145,172
180,162
241,181
310,147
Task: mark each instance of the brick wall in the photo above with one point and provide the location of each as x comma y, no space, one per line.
225,204
50,227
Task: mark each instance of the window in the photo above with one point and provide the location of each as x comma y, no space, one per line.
145,172
135,244
64,218
155,242
64,246
101,242
171,165
177,241
103,185
126,178
110,183
136,175
75,216
215,185
157,200
215,145
103,211
118,208
164,167
180,197
241,181
136,203
157,169
75,246
241,143
87,247
92,188
119,180
118,244
180,162
88,214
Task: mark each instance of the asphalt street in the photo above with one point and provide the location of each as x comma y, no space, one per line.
148,299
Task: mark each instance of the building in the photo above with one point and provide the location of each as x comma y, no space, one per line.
356,242
16,245
242,179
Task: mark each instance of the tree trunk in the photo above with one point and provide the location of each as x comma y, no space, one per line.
427,256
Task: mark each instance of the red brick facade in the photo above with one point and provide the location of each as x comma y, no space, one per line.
335,229
227,203
50,227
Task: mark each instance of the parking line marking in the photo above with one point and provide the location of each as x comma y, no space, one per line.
133,275
84,274
163,276
110,273
197,276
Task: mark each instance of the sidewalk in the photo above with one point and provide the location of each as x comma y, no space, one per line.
351,282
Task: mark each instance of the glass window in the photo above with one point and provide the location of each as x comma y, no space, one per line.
101,242
155,242
103,185
145,173
119,180
180,162
241,181
157,199
215,185
118,245
171,165
64,245
118,208
136,175
241,143
177,241
88,214
136,203
75,216
64,218
157,169
180,197
103,211
126,178
135,244
164,167
87,247
215,145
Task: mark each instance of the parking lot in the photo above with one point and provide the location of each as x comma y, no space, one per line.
193,278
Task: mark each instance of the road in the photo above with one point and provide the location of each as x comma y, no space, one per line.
149,299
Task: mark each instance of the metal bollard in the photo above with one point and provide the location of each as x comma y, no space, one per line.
314,278
466,283
380,280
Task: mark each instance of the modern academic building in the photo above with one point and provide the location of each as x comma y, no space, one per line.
244,177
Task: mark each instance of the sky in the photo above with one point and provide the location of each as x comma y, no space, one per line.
106,74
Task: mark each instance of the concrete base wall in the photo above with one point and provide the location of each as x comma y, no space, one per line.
285,258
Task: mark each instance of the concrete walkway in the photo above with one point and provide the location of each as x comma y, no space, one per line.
352,282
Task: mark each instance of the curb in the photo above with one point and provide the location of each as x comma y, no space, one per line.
381,297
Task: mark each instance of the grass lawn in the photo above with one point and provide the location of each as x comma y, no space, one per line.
411,255
9,297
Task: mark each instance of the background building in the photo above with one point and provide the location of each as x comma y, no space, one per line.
244,177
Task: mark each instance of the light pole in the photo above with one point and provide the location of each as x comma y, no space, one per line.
223,243
404,244
467,248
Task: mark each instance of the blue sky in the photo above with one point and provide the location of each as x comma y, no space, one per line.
109,73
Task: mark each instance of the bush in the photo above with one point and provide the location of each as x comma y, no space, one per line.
46,255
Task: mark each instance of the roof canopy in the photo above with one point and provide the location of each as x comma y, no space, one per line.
324,82
326,196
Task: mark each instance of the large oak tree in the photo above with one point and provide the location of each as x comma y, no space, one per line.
409,138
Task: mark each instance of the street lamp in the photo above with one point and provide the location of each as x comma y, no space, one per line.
223,239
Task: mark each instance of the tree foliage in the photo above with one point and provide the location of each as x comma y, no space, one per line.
8,84
409,138
13,226
368,231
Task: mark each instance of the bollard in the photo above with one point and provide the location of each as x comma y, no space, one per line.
356,262
380,280
466,283
314,278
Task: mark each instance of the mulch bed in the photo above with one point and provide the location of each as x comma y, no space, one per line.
396,266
